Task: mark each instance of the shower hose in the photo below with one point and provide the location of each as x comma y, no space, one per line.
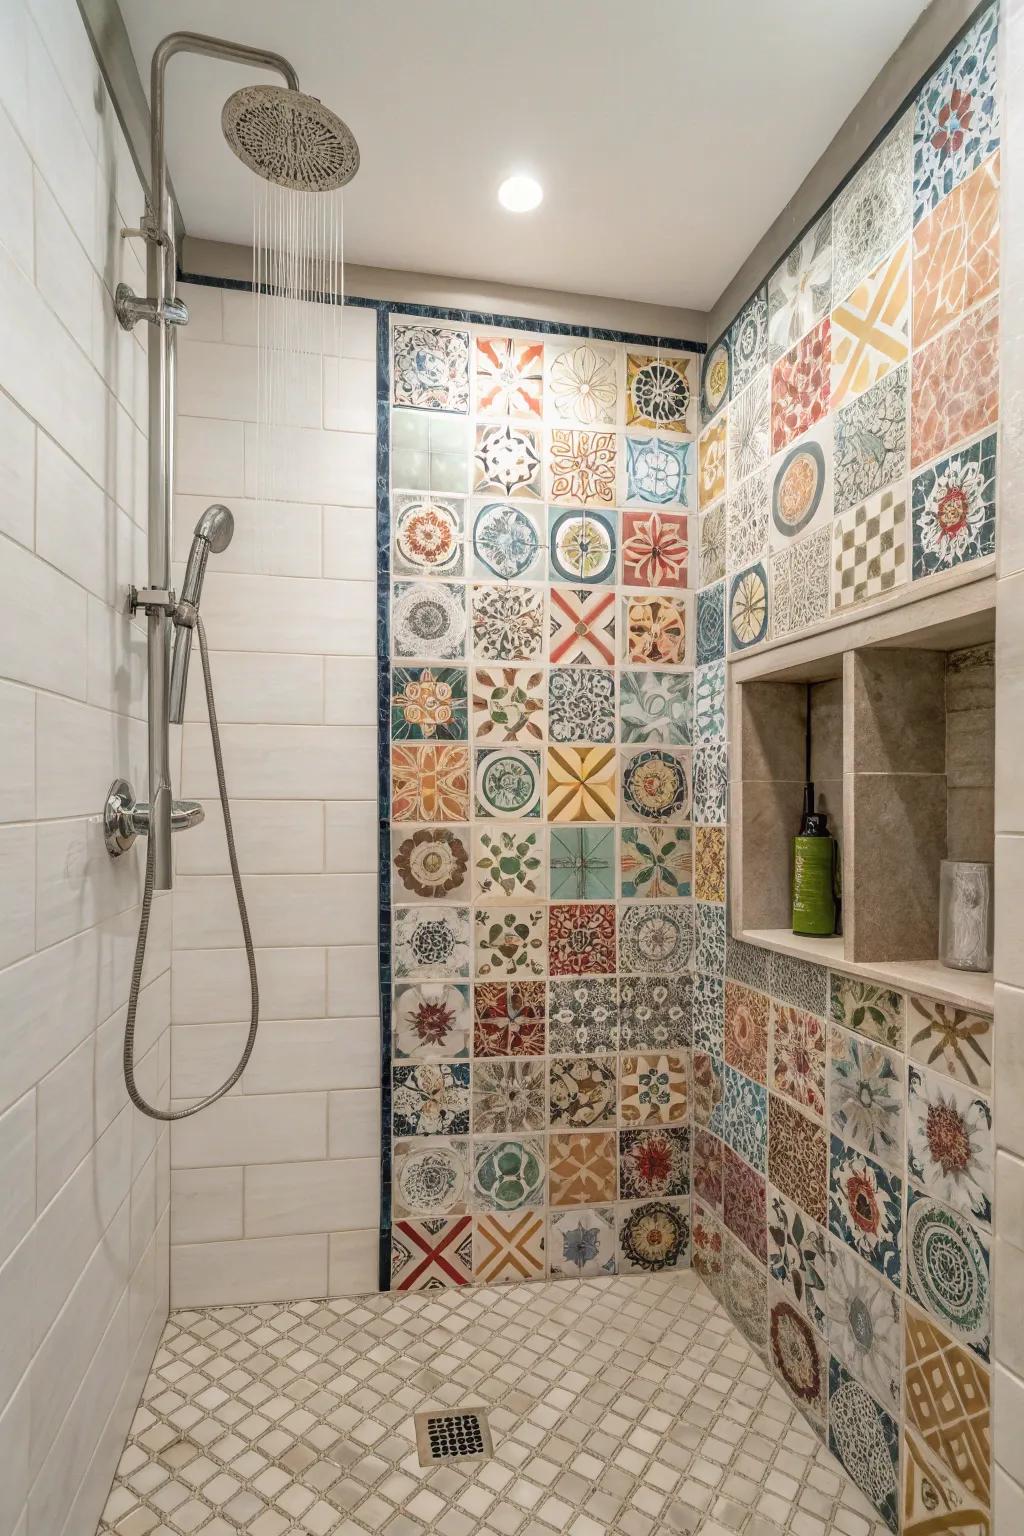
140,943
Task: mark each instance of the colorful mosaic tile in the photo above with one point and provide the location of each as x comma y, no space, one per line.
709,938
508,623
709,1011
655,551
954,510
582,1091
748,341
712,462
706,1248
715,378
800,386
800,290
868,1007
508,705
429,535
801,584
749,431
507,783
956,253
509,1097
655,1012
948,1400
659,392
708,1092
711,624
953,1040
508,863
748,963
801,487
869,549
745,1291
656,784
865,1208
508,1018
744,1204
508,540
508,1175
712,536
864,1325
582,863
581,1167
799,1356
871,440
658,472
581,382
581,704
509,377
430,863
798,1057
866,1096
656,630
581,467
656,937
431,1021
432,1254
431,941
746,1030
430,367
949,1142
955,392
656,707
431,1177
654,1162
581,784
747,516
746,1118
798,1158
932,1494
510,942
583,1016
656,861
948,1271
866,1440
429,783
872,212
581,938
709,702
583,546
798,1258
582,1242
431,1100
653,1089
710,784
748,608
507,462
428,619
654,1236
582,627
508,1248
708,1169
956,120
869,328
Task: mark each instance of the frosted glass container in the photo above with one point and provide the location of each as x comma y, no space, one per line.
965,915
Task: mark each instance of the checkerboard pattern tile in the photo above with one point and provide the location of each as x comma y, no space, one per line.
869,548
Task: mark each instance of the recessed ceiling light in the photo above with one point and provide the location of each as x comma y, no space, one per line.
519,194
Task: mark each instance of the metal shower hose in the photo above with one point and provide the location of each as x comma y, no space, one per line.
140,944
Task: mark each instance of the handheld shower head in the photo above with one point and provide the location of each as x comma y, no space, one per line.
213,534
290,138
217,527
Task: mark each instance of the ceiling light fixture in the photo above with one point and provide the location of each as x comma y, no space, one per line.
520,194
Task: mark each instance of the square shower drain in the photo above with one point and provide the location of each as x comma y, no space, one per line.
461,1436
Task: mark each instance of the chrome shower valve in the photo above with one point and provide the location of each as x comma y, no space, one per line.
125,818
129,309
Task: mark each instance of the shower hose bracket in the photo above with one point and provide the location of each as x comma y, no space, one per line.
152,600
130,308
125,818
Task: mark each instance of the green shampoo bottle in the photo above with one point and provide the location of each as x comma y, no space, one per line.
814,873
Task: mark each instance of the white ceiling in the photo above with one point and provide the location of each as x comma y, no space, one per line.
667,135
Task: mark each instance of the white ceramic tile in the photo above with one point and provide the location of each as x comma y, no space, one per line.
18,1160
350,394
290,1056
205,315
68,45
271,538
354,1122
283,910
284,1127
216,380
48,1006
352,982
17,752
350,690
14,1435
209,457
351,833
311,1197
16,231
1010,700
206,1204
1007,1417
74,521
1009,900
1008,1074
266,761
1009,1324
1007,1503
353,1259
61,148
17,1283
286,613
42,624
78,883
255,687
17,892
350,543
116,654
259,1269
65,1116
63,273
271,837
79,751
358,332
328,467
210,985
241,311
17,462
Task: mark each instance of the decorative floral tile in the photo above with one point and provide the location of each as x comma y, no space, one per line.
653,1089
869,327
798,1057
582,1243
948,1274
949,1142
801,583
430,1100
429,452
866,1440
509,1097
581,704
749,430
429,783
508,540
865,1208
955,393
655,1012
655,862
431,1255
744,1203
508,1175
748,607
660,392
656,937
508,623
508,1249
429,535
954,511
706,1249
708,1093
866,1006
508,1018
931,1493
431,941
431,863
871,440
956,1041
746,1030
712,460
709,929
510,942
509,377
798,1158
709,857
507,462
582,861
748,341
583,546
507,783
801,487
956,120
582,467
707,1169
508,705
428,704
656,629
710,783
709,1011
430,367
745,1291
581,1167
709,702
872,212
800,386
715,378
582,1091
956,253
864,1325
949,1402
581,383
711,624
655,551
798,1258
654,1162
748,963
428,619
866,1096
658,472
800,290
746,1118
581,938
431,1021
869,549
431,1177
656,784
581,784
713,535
582,627
583,1018
656,707
799,1357
654,1236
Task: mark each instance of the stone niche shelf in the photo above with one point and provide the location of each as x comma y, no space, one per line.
901,714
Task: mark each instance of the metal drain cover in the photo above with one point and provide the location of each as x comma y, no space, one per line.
461,1436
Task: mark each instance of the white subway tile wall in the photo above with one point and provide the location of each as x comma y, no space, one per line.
84,1220
276,1189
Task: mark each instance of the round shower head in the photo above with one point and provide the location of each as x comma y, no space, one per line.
216,526
290,138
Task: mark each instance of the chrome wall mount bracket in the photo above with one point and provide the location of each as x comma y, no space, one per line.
129,309
125,818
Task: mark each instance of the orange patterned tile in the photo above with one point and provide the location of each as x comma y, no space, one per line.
869,329
955,389
956,253
948,1401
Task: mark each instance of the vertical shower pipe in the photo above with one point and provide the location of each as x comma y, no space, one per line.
161,277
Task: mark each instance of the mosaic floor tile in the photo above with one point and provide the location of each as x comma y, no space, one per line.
508,1018
745,1291
800,289
709,938
655,1012
583,546
508,623
711,624
931,1493
431,1021
798,1057
581,704
508,540
871,440
431,1100
659,472
746,1030
869,327
955,393
508,1174
656,862
653,1089
428,619
801,584
656,630
583,1016
746,1119
798,1158
582,467
432,1254
508,705
581,938
866,1440
956,1041
743,1190
956,253
712,460
706,1249
713,536
510,942
865,1208
709,702
429,535
508,863
509,377
431,941
656,707
954,510
799,1356
654,1162
582,627
949,1142
656,937
956,120
869,549
864,1325
948,1271
431,1178
582,1091
747,519
655,549
581,382
748,607
507,462
866,1096
748,341
429,783
508,1249
801,487
715,378
710,784
872,212
749,430
708,1169
582,863
800,386
431,863
709,1013
430,367
508,1097
507,783
798,1258
948,1402
654,1236
871,1009
581,784
660,392
581,1167
656,784
582,1242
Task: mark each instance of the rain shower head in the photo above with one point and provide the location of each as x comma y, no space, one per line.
289,138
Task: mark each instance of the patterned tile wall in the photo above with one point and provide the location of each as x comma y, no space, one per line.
842,1133
557,801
